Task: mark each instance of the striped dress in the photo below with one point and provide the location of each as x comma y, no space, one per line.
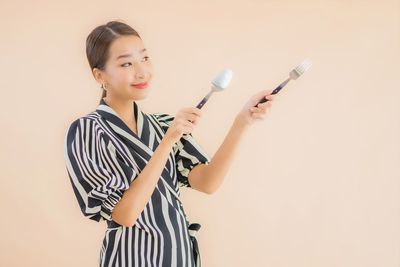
103,156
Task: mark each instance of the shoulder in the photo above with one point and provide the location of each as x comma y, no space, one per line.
83,126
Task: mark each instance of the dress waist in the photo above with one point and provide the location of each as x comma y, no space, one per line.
193,228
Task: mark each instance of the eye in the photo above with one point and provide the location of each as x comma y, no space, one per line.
147,58
123,65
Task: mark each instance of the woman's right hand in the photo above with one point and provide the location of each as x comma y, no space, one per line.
184,122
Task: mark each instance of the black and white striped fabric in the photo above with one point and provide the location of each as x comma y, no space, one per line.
103,156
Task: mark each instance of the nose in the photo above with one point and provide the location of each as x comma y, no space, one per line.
140,72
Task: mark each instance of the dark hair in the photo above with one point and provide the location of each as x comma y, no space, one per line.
100,39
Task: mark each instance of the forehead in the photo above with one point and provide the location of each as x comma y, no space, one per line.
124,45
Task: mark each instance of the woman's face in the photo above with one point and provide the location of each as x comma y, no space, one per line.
127,65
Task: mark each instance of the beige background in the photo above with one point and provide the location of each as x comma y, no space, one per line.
314,184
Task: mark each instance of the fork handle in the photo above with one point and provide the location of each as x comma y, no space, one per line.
276,90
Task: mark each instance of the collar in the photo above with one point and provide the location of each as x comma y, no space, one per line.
140,143
112,116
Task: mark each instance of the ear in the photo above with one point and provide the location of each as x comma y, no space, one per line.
99,75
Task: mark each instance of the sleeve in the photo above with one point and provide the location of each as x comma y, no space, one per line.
97,176
188,152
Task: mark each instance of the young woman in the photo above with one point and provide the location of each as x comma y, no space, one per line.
126,167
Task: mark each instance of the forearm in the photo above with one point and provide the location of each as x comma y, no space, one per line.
135,198
209,177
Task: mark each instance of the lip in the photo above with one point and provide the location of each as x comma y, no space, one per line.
140,85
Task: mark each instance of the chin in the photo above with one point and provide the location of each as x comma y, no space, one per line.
140,96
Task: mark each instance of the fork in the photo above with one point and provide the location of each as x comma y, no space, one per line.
293,75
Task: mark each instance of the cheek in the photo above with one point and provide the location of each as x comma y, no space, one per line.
119,76
150,69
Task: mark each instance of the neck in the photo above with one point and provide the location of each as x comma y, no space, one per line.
124,108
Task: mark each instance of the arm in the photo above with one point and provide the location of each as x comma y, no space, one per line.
207,178
135,198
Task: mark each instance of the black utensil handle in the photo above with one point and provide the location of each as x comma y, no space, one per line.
199,106
202,102
276,90
273,92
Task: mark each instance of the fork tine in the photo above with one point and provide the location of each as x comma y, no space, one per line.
303,67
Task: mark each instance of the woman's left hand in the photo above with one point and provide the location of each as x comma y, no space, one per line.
249,113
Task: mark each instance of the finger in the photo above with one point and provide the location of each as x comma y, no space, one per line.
190,117
257,110
270,97
266,98
258,116
265,92
194,110
265,105
193,123
188,127
261,94
185,121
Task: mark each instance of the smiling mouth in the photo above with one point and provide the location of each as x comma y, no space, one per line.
140,85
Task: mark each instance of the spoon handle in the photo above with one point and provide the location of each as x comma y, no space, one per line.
204,100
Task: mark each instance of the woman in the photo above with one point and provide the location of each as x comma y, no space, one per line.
126,167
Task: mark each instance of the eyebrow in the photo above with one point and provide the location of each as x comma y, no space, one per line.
129,55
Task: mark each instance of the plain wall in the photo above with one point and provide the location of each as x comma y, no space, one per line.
316,183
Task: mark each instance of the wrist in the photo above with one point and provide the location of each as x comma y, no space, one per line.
167,141
241,122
